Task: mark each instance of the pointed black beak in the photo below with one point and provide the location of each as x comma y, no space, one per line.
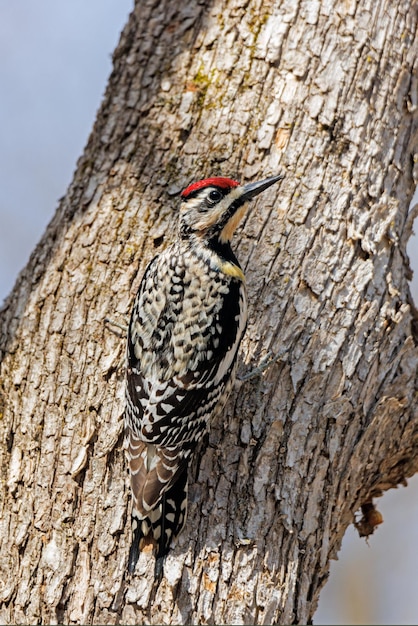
253,189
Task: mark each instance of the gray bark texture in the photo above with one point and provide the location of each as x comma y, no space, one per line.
326,92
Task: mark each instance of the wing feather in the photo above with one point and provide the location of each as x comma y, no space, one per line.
182,347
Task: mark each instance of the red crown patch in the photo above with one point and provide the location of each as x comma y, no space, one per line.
223,183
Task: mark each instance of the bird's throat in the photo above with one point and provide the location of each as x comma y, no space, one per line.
222,257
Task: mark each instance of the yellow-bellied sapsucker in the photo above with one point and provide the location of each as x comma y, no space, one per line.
187,322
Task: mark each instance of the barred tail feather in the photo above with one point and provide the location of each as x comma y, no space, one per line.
159,487
161,525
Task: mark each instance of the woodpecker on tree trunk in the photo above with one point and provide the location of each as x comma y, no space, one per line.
186,325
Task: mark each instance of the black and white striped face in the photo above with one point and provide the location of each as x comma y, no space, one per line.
212,208
215,206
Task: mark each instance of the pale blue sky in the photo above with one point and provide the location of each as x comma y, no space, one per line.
55,57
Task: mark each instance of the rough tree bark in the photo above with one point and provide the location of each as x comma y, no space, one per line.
326,91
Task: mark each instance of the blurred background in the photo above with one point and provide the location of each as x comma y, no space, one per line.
55,58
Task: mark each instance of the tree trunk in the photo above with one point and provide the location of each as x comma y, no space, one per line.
327,92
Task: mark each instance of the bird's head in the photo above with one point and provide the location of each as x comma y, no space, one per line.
213,208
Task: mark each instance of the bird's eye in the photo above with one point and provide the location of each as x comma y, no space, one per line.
214,197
